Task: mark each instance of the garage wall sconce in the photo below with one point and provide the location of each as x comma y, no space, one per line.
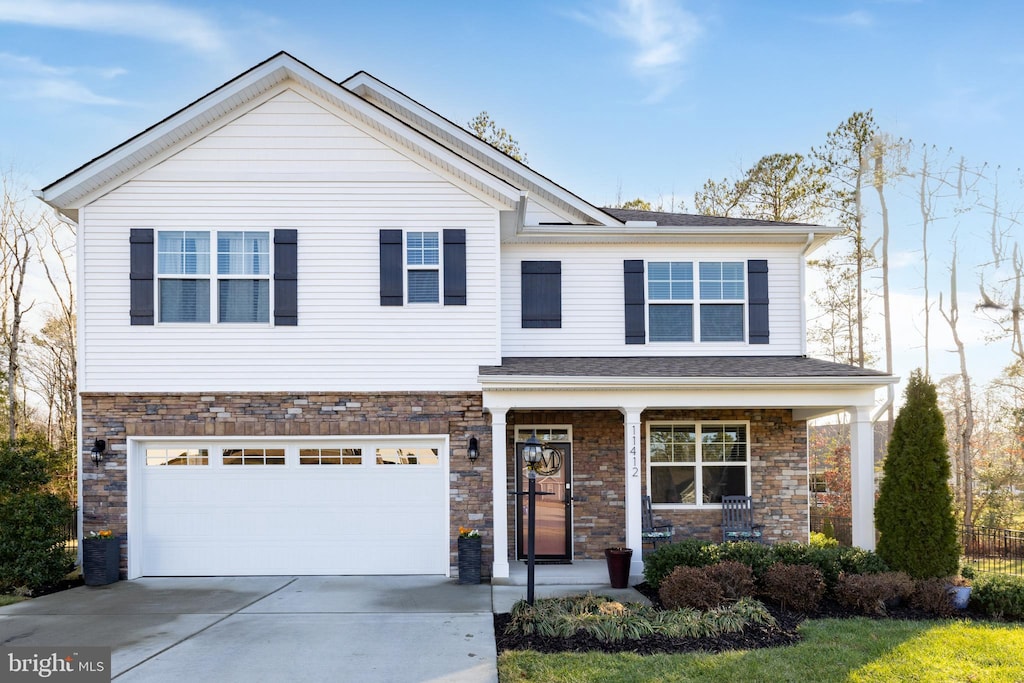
97,451
474,449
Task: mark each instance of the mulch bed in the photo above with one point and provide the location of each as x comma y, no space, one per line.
752,637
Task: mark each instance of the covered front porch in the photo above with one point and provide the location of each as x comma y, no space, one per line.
614,414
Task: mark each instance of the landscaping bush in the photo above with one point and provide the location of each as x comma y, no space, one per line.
1000,595
797,587
757,556
690,587
32,552
689,553
859,561
872,593
932,596
610,621
914,513
734,578
822,540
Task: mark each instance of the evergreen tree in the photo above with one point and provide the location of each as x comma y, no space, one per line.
915,505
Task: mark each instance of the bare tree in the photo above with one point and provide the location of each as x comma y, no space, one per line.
966,431
18,226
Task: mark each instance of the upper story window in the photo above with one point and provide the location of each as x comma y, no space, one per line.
697,463
423,265
676,310
242,291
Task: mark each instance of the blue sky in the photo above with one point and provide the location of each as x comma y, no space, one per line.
611,98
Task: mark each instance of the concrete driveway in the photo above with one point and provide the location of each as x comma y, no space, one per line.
310,628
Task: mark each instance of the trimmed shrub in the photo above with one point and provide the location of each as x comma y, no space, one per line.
689,553
690,587
859,561
822,540
797,587
757,556
734,578
32,552
914,512
872,593
1000,595
932,596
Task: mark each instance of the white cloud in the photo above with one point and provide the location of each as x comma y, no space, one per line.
147,21
28,78
660,32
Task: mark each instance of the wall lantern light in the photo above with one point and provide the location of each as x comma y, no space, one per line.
97,451
474,449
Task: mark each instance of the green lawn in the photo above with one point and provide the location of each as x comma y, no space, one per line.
859,650
9,599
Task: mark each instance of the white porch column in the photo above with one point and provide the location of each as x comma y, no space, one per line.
633,463
499,504
862,476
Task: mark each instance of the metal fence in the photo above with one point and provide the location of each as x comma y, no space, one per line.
984,548
993,550
71,528
839,528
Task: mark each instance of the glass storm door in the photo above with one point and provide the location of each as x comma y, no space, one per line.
554,512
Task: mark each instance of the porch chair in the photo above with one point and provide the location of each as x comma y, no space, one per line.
654,533
738,520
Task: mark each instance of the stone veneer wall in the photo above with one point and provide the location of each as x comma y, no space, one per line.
778,475
115,417
778,447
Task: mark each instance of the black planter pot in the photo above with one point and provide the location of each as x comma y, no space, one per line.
618,566
101,561
469,560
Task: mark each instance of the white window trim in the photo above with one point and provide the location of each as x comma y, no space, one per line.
695,301
212,277
698,463
439,267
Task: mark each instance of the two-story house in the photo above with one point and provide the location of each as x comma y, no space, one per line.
318,321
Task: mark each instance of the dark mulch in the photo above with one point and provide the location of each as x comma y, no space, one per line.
57,587
752,637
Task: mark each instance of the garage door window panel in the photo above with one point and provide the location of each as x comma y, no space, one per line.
407,456
159,457
330,456
252,456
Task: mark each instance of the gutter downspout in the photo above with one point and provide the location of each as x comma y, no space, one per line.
521,212
890,397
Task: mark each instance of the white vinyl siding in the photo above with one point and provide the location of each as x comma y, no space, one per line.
253,175
593,321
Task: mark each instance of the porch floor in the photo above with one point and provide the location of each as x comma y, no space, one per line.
579,573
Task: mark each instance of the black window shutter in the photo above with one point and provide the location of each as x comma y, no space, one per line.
633,279
541,288
455,267
392,288
757,301
141,274
286,277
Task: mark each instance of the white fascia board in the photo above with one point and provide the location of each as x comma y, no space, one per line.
695,234
367,87
506,383
71,191
807,400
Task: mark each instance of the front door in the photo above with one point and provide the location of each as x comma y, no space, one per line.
554,512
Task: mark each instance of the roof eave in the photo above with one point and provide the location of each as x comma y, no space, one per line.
510,382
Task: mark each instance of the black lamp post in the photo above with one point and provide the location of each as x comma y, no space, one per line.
532,451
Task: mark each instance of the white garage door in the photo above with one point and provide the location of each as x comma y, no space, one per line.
249,507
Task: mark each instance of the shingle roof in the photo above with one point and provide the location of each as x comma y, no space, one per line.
677,366
663,218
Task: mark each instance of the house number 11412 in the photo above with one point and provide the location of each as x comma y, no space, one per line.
632,452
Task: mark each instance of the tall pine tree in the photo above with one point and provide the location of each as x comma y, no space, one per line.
914,512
